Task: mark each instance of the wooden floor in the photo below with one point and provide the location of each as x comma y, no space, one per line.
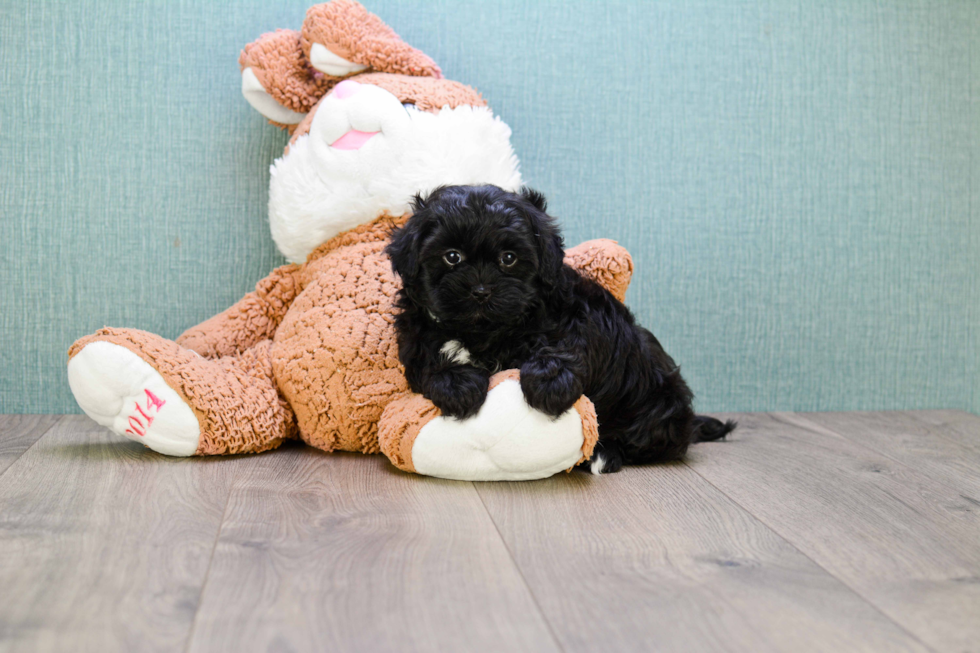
803,532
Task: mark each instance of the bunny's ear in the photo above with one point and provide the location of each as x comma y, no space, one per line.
276,79
342,38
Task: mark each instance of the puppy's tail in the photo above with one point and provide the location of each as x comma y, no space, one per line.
708,428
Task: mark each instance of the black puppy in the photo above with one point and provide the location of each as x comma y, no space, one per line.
484,288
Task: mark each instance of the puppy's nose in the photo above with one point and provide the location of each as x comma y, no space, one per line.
346,88
481,294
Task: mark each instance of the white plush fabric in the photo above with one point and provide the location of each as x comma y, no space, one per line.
506,441
110,383
318,191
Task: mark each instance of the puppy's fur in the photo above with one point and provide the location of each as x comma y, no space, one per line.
484,288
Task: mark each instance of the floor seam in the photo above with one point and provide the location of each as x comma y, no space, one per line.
789,543
207,573
61,418
520,572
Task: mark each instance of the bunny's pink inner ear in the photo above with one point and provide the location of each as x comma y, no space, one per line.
331,64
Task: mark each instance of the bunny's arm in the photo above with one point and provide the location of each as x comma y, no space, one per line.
604,261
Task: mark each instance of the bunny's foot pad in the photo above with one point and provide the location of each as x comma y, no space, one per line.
122,392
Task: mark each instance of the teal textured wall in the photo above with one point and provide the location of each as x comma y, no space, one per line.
798,182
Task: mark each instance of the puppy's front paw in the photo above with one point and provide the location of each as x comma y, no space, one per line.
549,385
459,391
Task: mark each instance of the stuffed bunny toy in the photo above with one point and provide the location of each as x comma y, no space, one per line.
311,353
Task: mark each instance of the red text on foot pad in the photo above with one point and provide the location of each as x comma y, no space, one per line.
153,404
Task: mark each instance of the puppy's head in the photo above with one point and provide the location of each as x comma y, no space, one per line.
478,257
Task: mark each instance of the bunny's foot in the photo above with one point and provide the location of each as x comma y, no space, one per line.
506,440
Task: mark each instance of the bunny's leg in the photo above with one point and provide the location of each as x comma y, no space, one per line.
506,441
175,402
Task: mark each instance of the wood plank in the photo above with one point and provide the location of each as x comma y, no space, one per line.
18,433
104,545
656,559
338,552
904,439
957,425
906,543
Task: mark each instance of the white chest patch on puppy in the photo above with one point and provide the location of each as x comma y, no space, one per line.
456,352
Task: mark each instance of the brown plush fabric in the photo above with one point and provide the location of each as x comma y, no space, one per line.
350,31
506,375
278,61
400,424
590,428
234,398
606,262
335,356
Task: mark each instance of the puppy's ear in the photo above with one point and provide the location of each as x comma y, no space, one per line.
418,204
405,246
535,198
551,247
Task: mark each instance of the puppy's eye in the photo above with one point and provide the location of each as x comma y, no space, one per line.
508,259
452,258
